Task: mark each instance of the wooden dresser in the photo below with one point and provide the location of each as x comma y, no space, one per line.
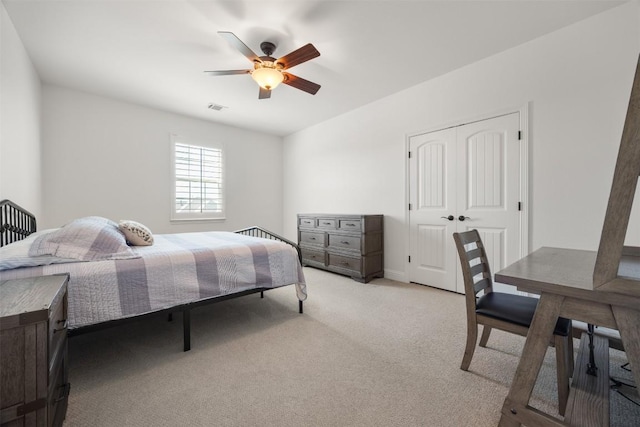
33,351
352,245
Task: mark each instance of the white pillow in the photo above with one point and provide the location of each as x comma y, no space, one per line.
136,233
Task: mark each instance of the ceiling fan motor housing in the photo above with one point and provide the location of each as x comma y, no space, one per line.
268,48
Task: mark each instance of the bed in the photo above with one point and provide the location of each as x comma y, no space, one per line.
111,281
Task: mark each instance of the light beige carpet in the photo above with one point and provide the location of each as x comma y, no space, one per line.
378,354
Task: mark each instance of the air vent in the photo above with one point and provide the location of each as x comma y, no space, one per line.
216,107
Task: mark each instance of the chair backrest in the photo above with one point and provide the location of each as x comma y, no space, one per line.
475,265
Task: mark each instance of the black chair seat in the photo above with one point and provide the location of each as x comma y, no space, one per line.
516,309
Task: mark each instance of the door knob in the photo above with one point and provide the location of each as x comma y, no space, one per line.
462,218
450,217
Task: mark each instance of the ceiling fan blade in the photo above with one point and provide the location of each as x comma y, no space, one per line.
238,44
227,72
298,56
300,83
264,94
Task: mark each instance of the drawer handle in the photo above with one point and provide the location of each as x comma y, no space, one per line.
345,263
350,224
344,242
64,326
312,238
66,388
326,223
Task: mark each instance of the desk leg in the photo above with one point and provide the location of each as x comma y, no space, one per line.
628,320
514,410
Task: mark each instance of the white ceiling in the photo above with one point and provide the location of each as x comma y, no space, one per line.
154,53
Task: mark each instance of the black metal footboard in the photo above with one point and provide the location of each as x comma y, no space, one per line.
256,231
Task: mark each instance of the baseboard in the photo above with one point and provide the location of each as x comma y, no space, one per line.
400,276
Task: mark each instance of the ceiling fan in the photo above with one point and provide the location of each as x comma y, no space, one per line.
269,72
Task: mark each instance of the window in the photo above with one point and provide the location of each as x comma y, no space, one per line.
198,180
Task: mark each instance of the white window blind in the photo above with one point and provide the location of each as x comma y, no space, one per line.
199,182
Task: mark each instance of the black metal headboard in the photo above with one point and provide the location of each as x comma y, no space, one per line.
16,223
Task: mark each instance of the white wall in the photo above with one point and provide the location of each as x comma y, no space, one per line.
20,144
576,82
109,158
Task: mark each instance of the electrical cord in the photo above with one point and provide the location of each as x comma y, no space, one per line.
617,384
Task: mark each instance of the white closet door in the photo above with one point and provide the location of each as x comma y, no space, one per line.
488,189
470,173
432,169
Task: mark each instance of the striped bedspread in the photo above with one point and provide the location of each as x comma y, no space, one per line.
177,269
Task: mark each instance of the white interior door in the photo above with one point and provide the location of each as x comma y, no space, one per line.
432,176
488,192
470,172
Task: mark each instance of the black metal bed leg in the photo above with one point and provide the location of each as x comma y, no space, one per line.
186,325
300,310
170,317
261,294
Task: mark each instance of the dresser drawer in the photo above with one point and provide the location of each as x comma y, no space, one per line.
311,238
345,242
307,222
58,394
348,263
311,255
349,224
57,328
56,371
327,223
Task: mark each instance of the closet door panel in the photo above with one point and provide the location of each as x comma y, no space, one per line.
432,169
488,188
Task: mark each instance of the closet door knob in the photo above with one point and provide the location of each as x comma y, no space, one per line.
462,218
450,217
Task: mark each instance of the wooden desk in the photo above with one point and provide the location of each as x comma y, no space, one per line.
564,280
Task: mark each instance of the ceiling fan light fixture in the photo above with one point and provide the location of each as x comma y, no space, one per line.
268,78
268,71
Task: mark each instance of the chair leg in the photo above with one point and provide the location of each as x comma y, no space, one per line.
472,338
571,355
486,331
563,354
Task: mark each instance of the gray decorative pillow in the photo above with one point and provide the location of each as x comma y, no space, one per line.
90,238
136,233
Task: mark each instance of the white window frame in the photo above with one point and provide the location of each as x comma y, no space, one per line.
196,216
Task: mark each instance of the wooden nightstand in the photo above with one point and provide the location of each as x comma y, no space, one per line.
33,351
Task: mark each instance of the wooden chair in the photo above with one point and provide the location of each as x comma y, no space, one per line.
507,312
